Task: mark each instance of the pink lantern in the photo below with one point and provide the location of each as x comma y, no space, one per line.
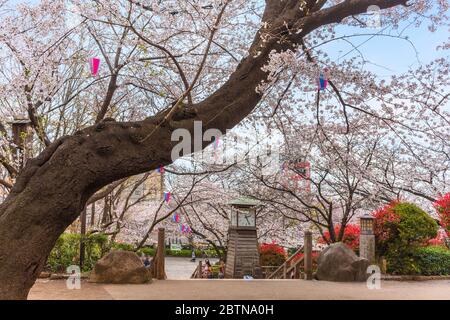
94,64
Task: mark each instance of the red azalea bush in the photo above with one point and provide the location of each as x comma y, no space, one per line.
314,254
442,206
439,240
403,224
401,229
272,254
385,222
350,238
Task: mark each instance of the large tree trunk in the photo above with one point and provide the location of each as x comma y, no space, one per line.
53,188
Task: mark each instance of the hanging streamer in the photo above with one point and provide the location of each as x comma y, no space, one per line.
323,79
185,229
94,64
167,197
160,169
176,217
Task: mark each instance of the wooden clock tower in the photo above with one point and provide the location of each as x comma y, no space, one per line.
242,253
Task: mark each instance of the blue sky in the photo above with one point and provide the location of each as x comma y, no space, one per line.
388,56
391,55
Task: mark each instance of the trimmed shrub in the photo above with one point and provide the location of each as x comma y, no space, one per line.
402,230
401,260
272,254
148,251
401,226
431,260
66,251
416,226
187,253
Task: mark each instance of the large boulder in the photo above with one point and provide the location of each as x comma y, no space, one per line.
339,263
120,267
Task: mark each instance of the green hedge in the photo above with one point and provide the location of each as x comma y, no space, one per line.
429,261
177,253
66,251
122,246
149,251
433,260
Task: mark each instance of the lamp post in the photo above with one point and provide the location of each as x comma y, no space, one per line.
367,238
22,135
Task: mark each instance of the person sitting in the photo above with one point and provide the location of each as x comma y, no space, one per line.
147,262
221,269
207,270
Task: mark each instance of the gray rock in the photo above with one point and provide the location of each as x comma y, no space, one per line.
120,267
339,263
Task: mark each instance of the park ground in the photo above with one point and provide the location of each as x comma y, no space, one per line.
243,290
180,287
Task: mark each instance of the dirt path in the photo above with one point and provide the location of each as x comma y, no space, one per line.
241,289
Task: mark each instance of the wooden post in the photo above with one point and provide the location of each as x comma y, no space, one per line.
92,223
160,255
82,235
284,270
200,267
308,255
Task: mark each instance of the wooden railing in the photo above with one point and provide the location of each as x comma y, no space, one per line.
287,267
292,267
198,271
266,271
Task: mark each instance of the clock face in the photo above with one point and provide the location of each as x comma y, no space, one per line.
246,220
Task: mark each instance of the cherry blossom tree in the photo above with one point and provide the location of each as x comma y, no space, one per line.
164,66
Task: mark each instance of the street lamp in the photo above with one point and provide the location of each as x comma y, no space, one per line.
367,238
22,134
366,224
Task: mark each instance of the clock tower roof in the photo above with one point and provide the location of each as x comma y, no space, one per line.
244,202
